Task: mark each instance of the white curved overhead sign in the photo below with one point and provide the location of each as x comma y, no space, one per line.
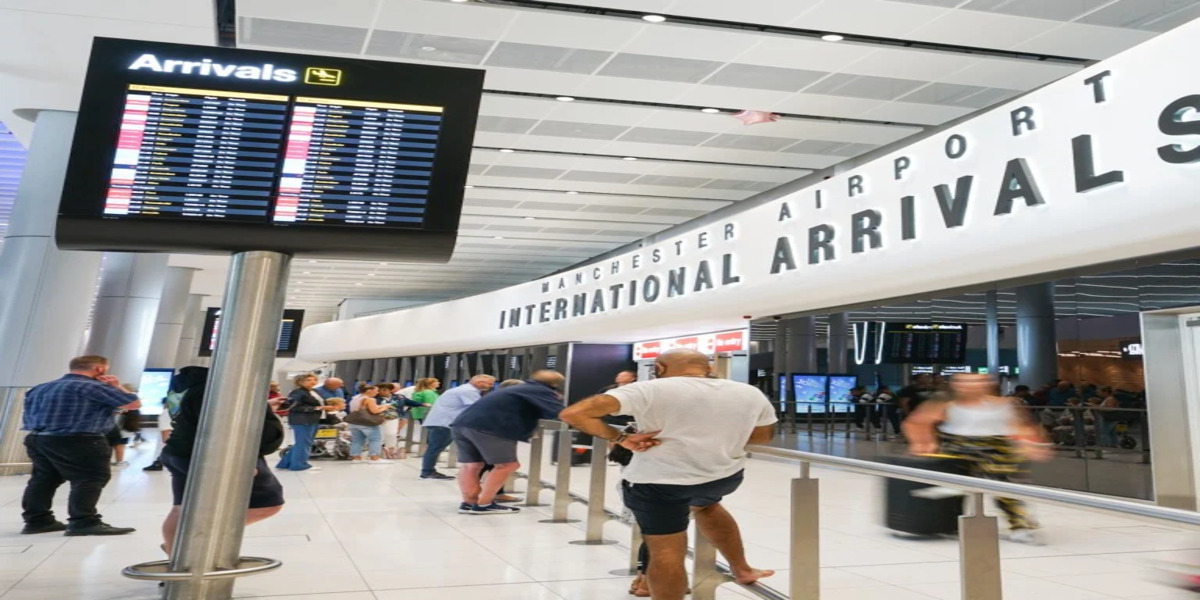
1097,167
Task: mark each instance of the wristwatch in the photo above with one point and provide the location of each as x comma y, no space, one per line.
621,438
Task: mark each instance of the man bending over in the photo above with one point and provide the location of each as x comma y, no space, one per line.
690,455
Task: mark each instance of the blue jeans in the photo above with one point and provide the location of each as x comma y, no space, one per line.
297,458
366,435
439,440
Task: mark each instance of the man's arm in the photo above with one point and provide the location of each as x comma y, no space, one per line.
112,394
762,435
587,416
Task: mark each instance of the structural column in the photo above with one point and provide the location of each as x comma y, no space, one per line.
187,352
168,324
126,306
838,347
46,293
993,333
802,345
1037,350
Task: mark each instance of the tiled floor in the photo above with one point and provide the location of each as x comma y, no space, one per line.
374,532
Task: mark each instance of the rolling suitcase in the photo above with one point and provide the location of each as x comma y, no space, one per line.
913,515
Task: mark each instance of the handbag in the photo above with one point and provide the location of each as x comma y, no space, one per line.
364,417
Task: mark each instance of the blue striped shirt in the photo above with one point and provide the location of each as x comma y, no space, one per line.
73,404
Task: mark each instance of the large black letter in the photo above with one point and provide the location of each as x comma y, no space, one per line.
900,166
579,306
1022,116
514,317
727,274
783,259
544,311
954,207
865,224
1097,83
651,288
1085,166
597,302
785,212
675,281
820,244
1017,183
1171,122
908,218
956,146
855,185
703,277
560,308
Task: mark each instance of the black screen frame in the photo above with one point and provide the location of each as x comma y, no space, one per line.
83,226
295,314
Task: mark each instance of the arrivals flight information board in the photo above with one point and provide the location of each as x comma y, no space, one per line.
197,149
925,343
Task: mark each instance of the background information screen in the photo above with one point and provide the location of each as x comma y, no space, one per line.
925,343
200,149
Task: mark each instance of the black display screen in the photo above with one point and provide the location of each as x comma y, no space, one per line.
924,343
289,332
198,149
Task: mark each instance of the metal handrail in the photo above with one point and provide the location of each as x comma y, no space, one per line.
987,486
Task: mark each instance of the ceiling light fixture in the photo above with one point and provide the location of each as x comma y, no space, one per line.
469,187
370,274
711,111
307,273
654,18
497,237
530,218
833,37
565,99
507,150
572,192
428,48
629,158
358,283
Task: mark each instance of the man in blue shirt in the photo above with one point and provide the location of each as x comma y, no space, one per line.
66,420
448,407
333,388
487,432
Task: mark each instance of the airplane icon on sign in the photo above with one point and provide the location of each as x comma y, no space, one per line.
322,76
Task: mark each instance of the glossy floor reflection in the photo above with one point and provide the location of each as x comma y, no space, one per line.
374,532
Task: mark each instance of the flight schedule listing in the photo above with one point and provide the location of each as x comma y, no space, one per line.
357,163
194,153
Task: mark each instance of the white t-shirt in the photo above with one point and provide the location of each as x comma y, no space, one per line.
705,425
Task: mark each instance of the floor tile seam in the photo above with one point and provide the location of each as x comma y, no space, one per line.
32,569
341,545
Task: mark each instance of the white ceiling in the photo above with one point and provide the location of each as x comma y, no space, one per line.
567,193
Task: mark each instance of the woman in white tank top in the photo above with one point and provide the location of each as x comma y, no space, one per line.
987,431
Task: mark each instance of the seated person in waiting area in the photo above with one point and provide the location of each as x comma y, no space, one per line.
487,433
690,456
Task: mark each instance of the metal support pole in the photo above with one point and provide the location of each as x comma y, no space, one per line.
1080,432
635,547
1145,438
596,517
705,576
452,457
424,445
810,420
218,488
979,552
409,430
562,480
533,485
804,575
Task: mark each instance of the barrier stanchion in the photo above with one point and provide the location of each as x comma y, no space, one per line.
804,573
705,576
562,479
635,549
533,485
409,430
424,445
979,552
808,409
596,517
452,456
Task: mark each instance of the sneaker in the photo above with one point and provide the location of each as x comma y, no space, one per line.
100,528
1026,536
154,466
436,476
464,508
50,527
494,509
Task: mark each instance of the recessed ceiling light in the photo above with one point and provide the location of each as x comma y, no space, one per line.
370,274
572,193
384,264
654,18
459,1
629,158
428,48
307,273
710,110
507,150
498,237
530,218
312,261
469,187
357,283
565,99
832,37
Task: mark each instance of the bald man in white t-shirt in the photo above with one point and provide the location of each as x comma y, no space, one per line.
690,455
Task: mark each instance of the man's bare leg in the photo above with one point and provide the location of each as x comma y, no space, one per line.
468,481
719,527
666,573
170,525
494,481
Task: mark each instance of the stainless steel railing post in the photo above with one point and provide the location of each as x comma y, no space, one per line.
705,576
804,575
409,430
562,478
979,552
424,445
808,409
596,516
452,456
635,547
533,485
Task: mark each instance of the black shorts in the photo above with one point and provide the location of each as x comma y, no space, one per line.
114,437
475,446
663,509
265,492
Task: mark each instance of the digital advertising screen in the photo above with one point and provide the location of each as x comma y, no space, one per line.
840,397
153,388
289,332
182,148
810,391
924,343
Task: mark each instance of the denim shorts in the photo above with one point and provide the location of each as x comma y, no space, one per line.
663,509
